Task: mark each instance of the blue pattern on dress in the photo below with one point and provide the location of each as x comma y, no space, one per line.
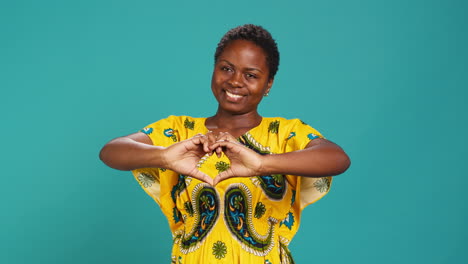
312,136
288,221
147,130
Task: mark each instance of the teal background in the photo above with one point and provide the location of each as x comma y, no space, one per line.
387,80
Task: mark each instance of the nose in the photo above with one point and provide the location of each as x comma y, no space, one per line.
236,80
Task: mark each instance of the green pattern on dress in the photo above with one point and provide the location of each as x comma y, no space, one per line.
188,207
219,250
176,260
249,141
322,185
279,178
238,217
170,133
146,179
189,124
175,192
285,254
259,210
176,215
205,202
273,127
238,202
222,166
274,186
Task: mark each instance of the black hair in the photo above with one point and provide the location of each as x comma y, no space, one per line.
258,35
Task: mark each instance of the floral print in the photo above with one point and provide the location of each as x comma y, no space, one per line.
146,179
219,250
259,210
273,127
222,166
189,124
322,184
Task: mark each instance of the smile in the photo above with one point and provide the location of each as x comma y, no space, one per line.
234,95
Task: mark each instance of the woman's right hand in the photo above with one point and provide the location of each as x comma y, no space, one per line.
183,157
137,151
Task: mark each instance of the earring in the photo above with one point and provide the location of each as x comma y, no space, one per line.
266,94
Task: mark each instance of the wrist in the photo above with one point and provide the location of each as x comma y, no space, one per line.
266,165
159,158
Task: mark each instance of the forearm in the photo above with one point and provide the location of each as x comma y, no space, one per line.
127,154
317,161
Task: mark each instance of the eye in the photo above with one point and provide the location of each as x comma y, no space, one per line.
226,68
251,76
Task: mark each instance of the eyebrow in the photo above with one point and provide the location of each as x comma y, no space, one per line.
249,69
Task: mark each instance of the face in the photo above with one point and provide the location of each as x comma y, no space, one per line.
240,77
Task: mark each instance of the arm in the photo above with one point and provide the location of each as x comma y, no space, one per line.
320,158
132,152
136,151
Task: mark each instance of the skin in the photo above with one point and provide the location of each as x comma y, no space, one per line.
242,70
240,80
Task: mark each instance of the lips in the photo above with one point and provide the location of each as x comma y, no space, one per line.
234,95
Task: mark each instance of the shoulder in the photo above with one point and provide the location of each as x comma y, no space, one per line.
290,128
175,128
180,121
284,120
281,122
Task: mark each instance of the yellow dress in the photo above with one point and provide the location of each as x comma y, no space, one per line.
242,219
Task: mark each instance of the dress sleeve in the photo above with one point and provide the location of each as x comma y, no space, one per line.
308,189
300,134
162,133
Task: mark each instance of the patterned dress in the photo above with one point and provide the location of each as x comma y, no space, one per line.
242,219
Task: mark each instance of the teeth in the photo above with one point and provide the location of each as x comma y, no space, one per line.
233,95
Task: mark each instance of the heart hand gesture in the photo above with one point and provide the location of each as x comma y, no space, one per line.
244,161
183,157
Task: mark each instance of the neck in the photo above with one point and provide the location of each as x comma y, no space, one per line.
225,120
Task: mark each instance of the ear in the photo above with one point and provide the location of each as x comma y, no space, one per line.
269,85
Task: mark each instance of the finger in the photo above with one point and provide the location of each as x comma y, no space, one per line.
219,152
203,177
220,137
211,138
226,135
206,144
200,139
197,139
221,177
223,144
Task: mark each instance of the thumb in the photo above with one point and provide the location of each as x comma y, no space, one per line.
203,177
221,177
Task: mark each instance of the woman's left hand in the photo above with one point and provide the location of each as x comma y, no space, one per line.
244,161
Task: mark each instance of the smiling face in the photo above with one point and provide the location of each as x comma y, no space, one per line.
240,77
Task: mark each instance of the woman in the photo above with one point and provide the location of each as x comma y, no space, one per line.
229,184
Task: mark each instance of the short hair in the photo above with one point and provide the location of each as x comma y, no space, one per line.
258,35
